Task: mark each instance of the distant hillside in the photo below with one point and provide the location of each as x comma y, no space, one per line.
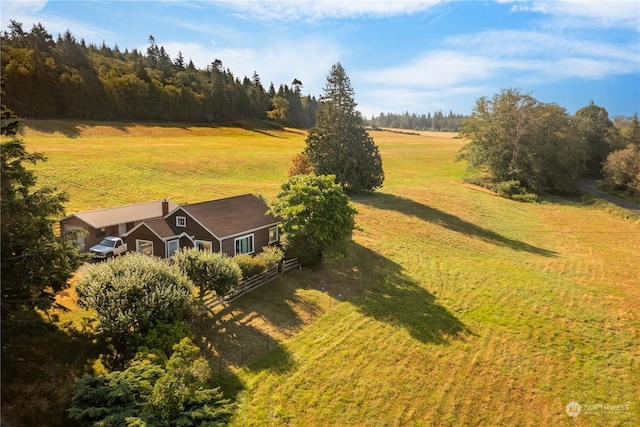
64,78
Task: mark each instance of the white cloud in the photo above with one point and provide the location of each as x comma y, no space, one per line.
292,10
30,12
477,64
549,55
398,100
435,69
19,8
280,61
579,13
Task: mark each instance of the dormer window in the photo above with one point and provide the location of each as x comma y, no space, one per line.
181,221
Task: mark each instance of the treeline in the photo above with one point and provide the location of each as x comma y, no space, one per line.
522,147
438,122
65,78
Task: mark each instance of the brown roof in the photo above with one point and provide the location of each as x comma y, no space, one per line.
232,216
161,227
123,214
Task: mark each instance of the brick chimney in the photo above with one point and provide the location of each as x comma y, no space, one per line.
165,207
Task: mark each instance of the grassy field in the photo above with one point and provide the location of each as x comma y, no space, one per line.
455,306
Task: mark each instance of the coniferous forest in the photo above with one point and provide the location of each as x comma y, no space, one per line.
63,78
437,122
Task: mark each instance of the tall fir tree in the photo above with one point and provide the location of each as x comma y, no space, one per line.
36,263
338,144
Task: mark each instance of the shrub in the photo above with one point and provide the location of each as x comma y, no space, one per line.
622,169
250,265
132,294
508,188
271,255
514,190
152,391
165,335
210,271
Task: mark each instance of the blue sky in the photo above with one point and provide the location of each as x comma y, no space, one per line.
416,56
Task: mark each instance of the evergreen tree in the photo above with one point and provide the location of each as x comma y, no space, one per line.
36,264
338,144
153,391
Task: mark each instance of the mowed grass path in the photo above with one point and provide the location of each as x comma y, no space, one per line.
456,307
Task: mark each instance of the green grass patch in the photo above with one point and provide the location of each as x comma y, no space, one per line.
454,307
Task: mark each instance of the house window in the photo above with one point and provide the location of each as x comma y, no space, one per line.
173,246
181,221
273,234
144,247
244,244
203,245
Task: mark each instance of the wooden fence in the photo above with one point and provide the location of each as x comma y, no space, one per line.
290,264
212,301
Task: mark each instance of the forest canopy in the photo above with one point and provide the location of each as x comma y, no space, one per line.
64,78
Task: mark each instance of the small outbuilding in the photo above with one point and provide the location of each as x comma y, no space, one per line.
234,225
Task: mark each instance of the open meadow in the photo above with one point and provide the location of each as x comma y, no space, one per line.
454,306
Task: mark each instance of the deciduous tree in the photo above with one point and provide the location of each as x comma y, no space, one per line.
318,218
516,138
300,165
593,127
622,169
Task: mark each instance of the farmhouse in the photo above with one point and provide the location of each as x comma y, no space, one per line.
235,225
113,221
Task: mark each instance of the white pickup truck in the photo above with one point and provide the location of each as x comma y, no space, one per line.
110,246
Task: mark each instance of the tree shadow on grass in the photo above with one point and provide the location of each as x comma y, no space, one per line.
41,363
412,208
389,295
70,129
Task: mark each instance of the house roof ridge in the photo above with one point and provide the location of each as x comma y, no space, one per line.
185,205
122,207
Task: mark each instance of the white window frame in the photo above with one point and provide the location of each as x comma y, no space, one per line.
139,244
181,221
169,242
251,243
277,233
196,244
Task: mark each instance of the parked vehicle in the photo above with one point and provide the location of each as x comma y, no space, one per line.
110,246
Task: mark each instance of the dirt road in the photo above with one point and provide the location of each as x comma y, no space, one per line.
590,187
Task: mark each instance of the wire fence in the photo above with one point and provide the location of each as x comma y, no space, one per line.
239,352
242,352
212,301
232,352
